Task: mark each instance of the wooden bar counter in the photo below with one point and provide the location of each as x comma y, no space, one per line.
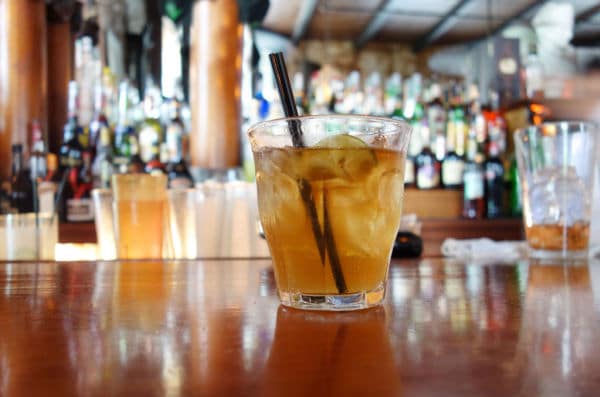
215,328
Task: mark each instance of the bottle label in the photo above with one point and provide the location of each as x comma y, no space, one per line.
80,210
473,185
46,191
409,172
427,177
452,172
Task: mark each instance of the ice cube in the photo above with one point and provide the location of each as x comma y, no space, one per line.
558,196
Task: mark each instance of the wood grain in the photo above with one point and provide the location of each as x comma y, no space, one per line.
215,328
23,79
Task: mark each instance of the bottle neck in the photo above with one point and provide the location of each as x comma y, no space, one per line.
17,163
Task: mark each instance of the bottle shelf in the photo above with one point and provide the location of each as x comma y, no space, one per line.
433,231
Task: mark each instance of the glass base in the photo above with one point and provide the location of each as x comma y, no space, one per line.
557,254
344,302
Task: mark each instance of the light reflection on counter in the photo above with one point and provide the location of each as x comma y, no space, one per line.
76,252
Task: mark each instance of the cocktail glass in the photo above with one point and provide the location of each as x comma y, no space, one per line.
330,210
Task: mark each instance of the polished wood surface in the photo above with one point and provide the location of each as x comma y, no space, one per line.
23,72
215,328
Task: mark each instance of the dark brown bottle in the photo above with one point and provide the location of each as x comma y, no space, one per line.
427,166
473,191
21,187
494,182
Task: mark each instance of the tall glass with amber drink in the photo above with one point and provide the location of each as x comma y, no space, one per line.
556,167
331,209
139,211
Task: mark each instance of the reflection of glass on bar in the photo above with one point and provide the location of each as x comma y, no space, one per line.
140,215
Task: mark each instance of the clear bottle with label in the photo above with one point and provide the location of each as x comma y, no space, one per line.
150,133
473,183
453,165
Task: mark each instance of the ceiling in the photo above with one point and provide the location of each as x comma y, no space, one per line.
419,23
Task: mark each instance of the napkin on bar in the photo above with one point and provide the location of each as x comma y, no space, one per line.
484,249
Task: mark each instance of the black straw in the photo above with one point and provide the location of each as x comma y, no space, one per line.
324,238
287,96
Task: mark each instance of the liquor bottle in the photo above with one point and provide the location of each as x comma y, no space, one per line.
5,207
125,137
70,150
461,129
427,166
48,185
102,167
99,121
150,133
37,159
494,181
177,170
436,118
473,192
21,188
79,205
154,166
534,74
514,198
453,165
174,133
135,165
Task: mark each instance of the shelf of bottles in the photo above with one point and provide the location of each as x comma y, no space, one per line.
458,143
109,129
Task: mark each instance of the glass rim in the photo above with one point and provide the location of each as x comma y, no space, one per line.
587,124
402,125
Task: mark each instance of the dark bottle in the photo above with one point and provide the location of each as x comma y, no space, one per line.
79,204
21,188
473,192
70,150
427,166
5,207
494,182
177,170
453,165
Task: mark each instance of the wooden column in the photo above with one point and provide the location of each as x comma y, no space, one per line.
60,54
23,73
215,65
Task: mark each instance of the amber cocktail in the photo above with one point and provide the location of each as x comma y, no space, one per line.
139,215
331,210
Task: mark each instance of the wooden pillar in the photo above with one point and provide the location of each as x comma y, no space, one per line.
60,69
23,72
215,85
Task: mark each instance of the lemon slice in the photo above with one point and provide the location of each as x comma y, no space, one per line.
341,141
350,157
